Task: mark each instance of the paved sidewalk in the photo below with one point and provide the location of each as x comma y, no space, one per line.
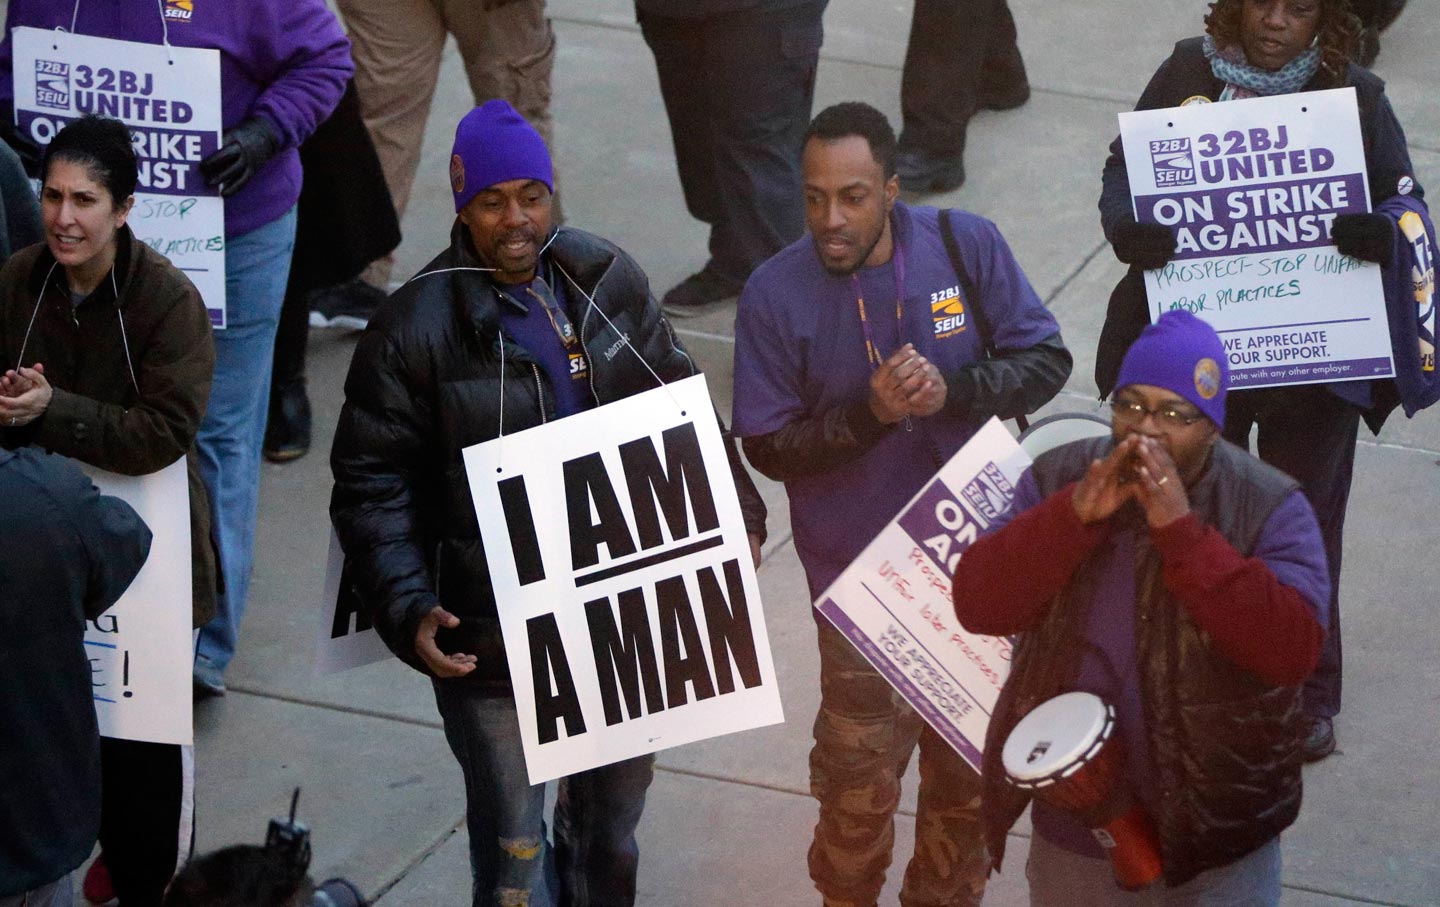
729,820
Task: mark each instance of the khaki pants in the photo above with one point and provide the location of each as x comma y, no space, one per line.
509,52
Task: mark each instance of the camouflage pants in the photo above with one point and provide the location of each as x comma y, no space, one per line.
864,737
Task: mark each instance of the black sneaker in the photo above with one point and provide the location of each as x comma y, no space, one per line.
287,432
921,171
348,305
1319,739
698,292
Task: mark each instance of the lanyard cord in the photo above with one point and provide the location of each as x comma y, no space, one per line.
124,340
872,349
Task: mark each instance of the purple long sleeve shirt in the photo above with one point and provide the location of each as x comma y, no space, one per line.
284,60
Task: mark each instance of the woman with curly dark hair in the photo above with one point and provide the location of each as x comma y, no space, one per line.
1258,48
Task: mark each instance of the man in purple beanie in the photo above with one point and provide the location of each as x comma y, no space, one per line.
514,325
1184,582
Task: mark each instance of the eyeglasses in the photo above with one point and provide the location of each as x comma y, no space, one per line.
1167,417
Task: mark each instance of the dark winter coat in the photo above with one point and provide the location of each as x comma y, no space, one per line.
346,217
102,413
67,553
1225,744
425,383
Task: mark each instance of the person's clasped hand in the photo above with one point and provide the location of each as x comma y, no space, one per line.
1368,237
906,384
24,396
244,150
1146,246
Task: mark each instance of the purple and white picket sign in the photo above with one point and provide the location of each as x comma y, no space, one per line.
169,97
894,601
1251,189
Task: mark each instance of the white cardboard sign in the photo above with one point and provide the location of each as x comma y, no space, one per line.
627,597
142,650
894,602
344,637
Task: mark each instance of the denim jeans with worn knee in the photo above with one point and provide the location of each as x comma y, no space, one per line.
257,265
594,858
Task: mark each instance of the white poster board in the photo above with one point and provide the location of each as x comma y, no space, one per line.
142,650
894,601
1251,188
344,637
170,99
627,597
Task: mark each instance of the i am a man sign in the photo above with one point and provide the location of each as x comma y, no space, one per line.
627,598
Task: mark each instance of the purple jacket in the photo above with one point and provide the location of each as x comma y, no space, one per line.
284,60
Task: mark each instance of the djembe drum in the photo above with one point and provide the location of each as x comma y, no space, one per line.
1065,752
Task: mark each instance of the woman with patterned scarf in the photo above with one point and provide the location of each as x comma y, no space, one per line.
1260,48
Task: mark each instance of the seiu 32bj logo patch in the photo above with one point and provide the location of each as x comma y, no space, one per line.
947,313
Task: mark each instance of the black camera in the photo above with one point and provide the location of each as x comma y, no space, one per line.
288,841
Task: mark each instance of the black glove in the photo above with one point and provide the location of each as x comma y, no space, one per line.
1146,246
1368,237
245,150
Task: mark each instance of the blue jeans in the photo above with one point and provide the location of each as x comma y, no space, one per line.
257,265
1060,878
594,858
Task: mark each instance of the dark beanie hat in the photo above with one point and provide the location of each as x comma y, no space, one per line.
494,144
1184,355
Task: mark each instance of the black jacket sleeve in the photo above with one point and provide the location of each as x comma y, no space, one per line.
818,444
115,539
1116,206
378,462
1011,383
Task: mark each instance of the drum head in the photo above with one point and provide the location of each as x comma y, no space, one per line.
1057,738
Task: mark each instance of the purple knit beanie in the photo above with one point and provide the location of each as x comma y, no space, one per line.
494,144
1184,355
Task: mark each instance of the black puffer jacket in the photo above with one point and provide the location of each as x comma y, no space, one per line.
425,383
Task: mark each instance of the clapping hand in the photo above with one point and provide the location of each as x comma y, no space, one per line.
24,396
906,384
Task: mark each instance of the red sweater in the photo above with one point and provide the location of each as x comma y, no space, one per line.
1252,618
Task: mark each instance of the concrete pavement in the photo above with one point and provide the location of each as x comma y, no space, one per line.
729,820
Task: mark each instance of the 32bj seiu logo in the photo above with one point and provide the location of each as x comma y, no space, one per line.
52,84
1172,162
179,10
